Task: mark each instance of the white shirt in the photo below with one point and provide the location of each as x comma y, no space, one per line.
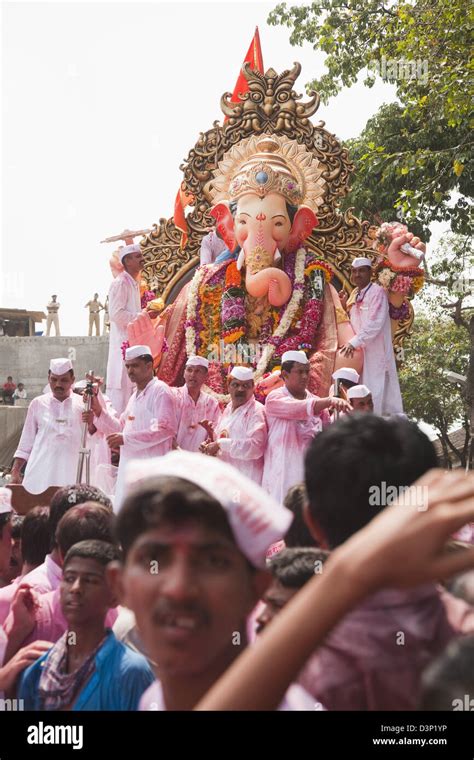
370,319
190,433
148,426
124,305
50,442
242,438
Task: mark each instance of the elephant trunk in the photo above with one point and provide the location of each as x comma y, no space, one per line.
263,279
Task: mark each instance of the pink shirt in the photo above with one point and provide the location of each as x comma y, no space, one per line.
246,438
374,658
211,247
46,577
190,433
291,428
6,597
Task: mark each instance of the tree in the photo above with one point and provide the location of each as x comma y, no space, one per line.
380,182
436,346
423,145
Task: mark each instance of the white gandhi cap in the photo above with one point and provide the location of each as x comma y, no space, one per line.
133,248
134,352
361,261
358,391
346,373
242,373
256,519
60,366
295,356
197,361
5,501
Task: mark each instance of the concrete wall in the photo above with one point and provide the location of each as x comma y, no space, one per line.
27,359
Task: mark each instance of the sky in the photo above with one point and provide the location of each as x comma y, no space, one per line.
101,102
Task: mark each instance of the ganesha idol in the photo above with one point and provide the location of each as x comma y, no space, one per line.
267,294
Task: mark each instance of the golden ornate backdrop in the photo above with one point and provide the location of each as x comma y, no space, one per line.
271,106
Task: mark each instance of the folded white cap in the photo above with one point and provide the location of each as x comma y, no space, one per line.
361,261
256,519
5,501
126,249
346,373
294,356
133,352
197,361
242,373
358,391
60,366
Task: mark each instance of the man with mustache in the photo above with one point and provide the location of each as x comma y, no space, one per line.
294,417
194,532
148,425
194,405
51,436
241,434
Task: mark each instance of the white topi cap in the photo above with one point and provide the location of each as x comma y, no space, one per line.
5,501
256,519
60,366
346,373
295,356
242,373
126,249
361,261
197,361
358,391
134,352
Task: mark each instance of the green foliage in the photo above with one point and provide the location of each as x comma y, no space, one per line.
412,155
435,345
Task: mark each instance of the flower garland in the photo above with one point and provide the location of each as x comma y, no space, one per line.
233,306
288,315
399,312
407,280
232,314
323,266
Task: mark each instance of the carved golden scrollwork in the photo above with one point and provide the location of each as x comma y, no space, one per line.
270,106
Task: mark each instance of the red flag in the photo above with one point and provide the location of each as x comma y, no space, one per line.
254,57
183,198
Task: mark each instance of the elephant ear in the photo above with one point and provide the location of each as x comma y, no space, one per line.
224,224
303,224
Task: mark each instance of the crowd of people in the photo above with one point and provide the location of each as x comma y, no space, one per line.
158,607
312,525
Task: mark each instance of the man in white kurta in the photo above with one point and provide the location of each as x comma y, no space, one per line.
51,436
194,406
370,320
124,305
241,433
148,425
294,417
